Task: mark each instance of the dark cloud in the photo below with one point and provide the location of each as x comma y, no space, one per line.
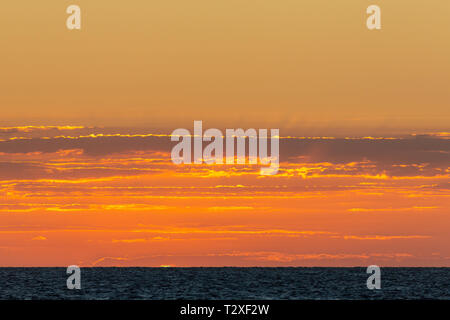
429,150
97,146
11,170
416,150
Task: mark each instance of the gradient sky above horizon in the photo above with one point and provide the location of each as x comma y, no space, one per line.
85,170
288,65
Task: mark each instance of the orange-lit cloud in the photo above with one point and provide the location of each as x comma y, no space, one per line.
117,199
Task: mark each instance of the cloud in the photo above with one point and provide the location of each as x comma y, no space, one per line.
414,208
109,260
230,208
292,257
413,149
39,238
424,155
28,129
382,238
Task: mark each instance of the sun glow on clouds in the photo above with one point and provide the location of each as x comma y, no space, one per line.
116,199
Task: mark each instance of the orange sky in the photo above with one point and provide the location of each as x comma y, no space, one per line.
85,170
253,63
85,196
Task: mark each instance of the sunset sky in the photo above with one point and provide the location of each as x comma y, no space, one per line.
86,176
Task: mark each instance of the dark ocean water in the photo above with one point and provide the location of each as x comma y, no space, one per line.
225,283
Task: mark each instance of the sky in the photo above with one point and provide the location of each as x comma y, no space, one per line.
86,176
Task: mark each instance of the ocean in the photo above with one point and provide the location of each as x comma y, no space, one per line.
224,284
